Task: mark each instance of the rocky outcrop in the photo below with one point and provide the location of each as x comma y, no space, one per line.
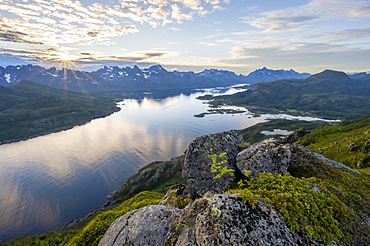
223,219
268,156
277,156
197,168
210,218
145,226
219,219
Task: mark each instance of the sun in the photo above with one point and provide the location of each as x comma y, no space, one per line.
67,58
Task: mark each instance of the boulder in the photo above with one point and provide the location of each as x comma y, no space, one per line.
210,163
145,226
270,155
224,219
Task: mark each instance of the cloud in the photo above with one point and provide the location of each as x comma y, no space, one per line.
278,23
302,17
53,55
346,34
301,56
61,22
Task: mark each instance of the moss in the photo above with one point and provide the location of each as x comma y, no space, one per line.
219,165
94,231
317,214
351,189
176,200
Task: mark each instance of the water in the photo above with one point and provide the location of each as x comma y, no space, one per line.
50,180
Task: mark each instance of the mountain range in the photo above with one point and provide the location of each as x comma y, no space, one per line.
113,78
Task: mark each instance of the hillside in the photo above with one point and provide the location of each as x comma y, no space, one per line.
28,109
348,142
328,94
303,197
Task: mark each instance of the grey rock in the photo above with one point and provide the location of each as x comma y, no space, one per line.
276,156
197,164
324,159
145,226
270,155
226,220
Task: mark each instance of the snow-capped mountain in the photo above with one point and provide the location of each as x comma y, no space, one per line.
115,78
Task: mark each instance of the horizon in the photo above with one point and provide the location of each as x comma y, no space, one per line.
174,70
239,36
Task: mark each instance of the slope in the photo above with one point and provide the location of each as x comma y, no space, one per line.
327,94
28,109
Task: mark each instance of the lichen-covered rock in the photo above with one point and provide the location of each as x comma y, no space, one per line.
145,226
226,220
197,168
270,155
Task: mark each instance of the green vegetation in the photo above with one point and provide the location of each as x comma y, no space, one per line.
253,134
323,202
328,94
317,214
219,165
94,231
50,238
350,188
157,176
348,142
28,109
174,199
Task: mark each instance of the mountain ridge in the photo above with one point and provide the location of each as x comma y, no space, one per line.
114,78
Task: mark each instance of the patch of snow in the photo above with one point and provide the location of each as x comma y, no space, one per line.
120,73
51,74
7,77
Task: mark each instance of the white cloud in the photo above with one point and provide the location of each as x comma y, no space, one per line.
302,16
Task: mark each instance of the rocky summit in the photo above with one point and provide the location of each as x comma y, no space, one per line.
206,215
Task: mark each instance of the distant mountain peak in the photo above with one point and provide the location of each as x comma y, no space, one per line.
267,75
331,74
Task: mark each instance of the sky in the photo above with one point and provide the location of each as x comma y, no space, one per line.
241,35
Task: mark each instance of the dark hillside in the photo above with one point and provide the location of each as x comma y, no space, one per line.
28,109
327,94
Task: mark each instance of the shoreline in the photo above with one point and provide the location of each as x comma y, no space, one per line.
60,129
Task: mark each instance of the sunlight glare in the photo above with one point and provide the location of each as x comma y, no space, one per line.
65,57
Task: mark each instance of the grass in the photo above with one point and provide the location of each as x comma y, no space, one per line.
303,209
348,142
95,230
